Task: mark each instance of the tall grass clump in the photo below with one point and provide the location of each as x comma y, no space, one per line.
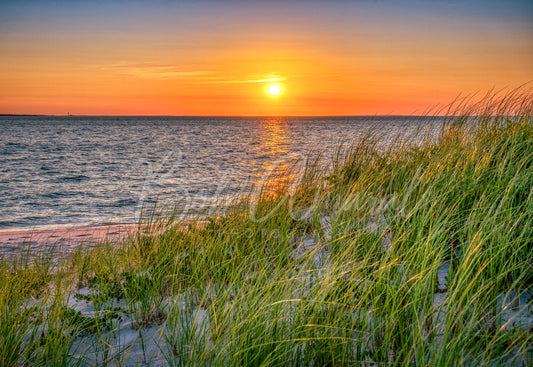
414,253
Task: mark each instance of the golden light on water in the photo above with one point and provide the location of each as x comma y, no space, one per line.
274,175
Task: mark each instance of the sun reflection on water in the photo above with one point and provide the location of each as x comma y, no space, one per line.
275,170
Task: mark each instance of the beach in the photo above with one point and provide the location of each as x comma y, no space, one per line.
61,239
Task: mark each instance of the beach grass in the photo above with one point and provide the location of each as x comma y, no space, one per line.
416,253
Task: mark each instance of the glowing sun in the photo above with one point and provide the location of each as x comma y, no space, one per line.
274,89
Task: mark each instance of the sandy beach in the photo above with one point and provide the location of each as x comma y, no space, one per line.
61,238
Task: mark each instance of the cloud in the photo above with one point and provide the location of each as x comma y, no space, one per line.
152,71
171,72
251,79
265,80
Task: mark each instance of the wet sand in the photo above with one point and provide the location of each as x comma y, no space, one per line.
63,238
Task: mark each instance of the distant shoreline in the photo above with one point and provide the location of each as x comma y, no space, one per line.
21,115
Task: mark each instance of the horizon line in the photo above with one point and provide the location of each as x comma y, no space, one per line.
233,116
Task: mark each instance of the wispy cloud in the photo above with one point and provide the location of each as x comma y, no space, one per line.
152,71
279,79
212,79
171,72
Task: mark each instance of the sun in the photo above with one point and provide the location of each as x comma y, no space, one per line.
274,89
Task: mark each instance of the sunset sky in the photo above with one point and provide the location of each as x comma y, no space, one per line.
219,57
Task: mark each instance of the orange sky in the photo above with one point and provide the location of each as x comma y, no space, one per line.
216,58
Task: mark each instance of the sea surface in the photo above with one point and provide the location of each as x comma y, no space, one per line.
69,171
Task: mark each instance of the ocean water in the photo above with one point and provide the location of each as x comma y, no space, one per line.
62,171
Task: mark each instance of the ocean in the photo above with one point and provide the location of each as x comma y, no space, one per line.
70,171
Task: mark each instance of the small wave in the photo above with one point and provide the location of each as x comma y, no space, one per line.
48,171
21,222
54,195
74,178
4,224
125,202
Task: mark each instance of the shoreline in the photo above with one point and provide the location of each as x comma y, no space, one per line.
65,238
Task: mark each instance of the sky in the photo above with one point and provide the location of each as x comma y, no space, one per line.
219,57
